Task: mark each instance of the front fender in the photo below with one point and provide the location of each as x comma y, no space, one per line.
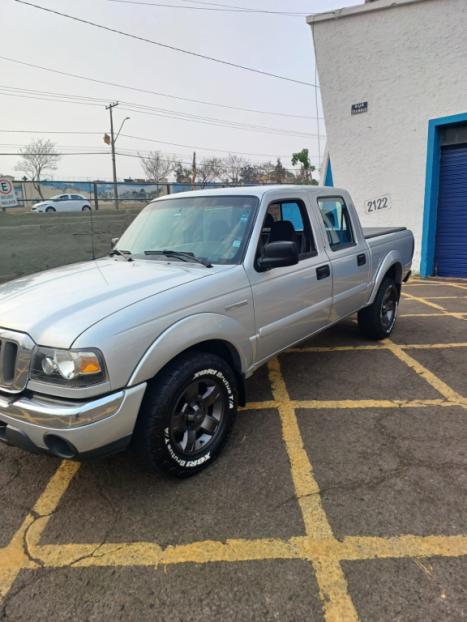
393,258
187,333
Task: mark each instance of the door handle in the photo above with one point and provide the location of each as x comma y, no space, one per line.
323,272
361,259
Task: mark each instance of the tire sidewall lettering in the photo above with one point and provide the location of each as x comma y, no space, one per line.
197,462
180,461
216,373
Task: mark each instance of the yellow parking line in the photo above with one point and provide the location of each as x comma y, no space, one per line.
458,285
353,404
151,554
433,346
368,547
440,314
306,487
445,297
14,557
332,583
237,550
438,384
433,305
409,346
266,405
336,348
370,404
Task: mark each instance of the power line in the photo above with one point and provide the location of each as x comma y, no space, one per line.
45,132
151,140
157,93
87,153
197,148
216,8
165,45
153,111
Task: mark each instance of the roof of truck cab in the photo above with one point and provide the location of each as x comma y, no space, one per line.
257,191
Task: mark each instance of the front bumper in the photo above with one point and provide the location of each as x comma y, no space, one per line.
73,430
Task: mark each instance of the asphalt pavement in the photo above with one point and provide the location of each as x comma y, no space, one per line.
341,496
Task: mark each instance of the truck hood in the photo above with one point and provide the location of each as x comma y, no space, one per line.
56,306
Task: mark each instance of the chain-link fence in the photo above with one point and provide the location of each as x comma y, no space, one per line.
100,194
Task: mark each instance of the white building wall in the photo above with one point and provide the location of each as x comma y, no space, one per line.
407,58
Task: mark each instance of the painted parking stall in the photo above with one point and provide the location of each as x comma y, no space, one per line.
336,505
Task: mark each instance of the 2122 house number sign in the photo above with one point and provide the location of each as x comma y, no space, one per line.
372,206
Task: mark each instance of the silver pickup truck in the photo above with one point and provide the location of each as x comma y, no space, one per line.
149,348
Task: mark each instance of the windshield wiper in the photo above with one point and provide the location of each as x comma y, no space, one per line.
124,254
181,255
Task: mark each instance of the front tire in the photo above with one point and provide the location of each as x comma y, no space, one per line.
50,209
377,321
86,208
187,415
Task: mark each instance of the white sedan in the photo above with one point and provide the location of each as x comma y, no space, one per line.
63,203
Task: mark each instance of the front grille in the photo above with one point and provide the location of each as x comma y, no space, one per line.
15,360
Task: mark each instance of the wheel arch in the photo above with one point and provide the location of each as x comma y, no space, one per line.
390,267
203,333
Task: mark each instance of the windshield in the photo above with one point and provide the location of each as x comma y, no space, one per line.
211,228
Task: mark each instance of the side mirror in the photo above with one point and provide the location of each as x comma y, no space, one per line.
277,255
113,242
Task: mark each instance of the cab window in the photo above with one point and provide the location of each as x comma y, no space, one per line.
288,220
336,220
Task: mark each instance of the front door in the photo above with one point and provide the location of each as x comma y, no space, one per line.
294,301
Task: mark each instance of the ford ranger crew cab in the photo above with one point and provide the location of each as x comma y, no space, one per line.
149,348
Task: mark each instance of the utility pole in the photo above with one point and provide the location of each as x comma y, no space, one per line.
112,145
193,171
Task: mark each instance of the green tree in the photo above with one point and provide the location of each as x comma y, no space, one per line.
306,169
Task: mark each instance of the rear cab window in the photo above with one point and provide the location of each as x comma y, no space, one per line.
337,222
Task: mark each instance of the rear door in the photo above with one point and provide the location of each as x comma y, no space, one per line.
294,301
348,253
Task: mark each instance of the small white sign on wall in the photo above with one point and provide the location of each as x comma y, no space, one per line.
373,206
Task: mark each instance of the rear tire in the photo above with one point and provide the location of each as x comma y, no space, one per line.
187,415
377,321
85,208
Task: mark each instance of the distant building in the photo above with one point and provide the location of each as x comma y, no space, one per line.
392,75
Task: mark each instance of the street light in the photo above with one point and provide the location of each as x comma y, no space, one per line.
123,123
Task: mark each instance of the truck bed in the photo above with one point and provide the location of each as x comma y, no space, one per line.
376,232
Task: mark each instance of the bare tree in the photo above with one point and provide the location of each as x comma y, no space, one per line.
182,174
210,169
233,167
37,158
156,167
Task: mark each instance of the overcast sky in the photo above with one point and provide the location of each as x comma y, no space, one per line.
274,43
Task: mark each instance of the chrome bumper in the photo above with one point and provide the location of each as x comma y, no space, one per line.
70,429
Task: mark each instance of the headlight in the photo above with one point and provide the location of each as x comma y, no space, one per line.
72,368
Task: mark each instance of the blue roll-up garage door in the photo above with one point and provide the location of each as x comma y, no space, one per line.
451,233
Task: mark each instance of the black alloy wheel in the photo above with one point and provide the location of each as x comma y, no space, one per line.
389,307
198,416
